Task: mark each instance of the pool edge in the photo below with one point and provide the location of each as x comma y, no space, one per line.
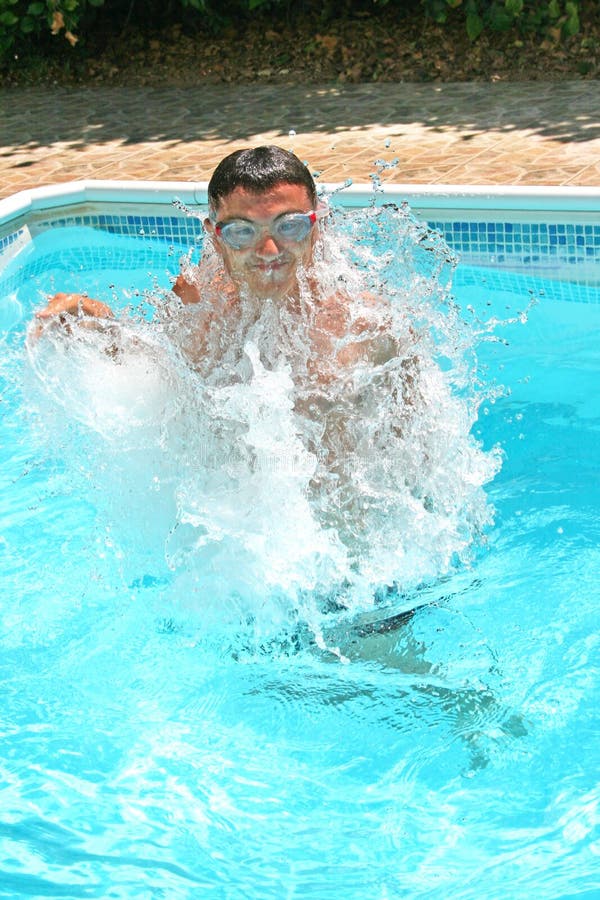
422,196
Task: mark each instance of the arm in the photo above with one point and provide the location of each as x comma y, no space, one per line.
345,334
74,304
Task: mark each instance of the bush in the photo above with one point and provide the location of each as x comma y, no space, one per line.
24,21
556,18
27,24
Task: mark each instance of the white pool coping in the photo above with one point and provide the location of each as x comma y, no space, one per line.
463,198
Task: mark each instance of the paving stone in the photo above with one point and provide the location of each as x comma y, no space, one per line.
500,133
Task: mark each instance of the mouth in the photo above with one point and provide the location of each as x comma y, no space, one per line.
265,265
271,266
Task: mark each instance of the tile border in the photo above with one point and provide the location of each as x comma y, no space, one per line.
548,232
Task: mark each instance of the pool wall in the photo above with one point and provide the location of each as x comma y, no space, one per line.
549,230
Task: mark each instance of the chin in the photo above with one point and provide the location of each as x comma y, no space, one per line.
270,291
274,284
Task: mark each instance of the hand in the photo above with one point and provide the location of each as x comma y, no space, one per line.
185,290
75,305
62,307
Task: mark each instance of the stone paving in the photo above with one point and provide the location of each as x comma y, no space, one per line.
488,134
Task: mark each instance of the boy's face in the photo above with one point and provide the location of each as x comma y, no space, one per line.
268,266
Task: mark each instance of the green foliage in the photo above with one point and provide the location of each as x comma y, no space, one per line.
555,18
24,21
198,5
40,23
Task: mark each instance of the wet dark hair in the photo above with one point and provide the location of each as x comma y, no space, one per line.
256,170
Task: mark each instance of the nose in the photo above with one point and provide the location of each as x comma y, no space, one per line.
267,246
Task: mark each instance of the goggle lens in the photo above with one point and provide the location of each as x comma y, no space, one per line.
293,227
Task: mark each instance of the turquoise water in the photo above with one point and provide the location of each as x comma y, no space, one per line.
149,750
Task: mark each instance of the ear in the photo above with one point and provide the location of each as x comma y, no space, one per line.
209,227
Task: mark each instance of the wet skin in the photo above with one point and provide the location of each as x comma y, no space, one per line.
267,268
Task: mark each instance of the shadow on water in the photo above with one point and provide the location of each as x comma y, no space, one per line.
79,118
386,674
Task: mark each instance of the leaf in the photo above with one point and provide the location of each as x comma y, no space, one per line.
474,26
499,19
57,22
27,25
329,42
8,18
514,7
572,25
553,9
36,9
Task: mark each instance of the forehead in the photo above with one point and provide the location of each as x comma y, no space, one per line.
244,204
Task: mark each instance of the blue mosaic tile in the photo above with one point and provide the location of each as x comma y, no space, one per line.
529,285
10,239
499,243
522,242
177,229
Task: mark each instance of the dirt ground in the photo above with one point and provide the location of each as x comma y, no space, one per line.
386,46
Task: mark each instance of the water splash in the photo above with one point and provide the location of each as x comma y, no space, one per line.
375,177
284,475
336,190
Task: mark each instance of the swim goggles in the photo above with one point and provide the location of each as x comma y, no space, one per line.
294,227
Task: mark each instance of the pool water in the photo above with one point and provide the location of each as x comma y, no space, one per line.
148,752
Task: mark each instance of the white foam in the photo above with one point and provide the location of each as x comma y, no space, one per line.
260,488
